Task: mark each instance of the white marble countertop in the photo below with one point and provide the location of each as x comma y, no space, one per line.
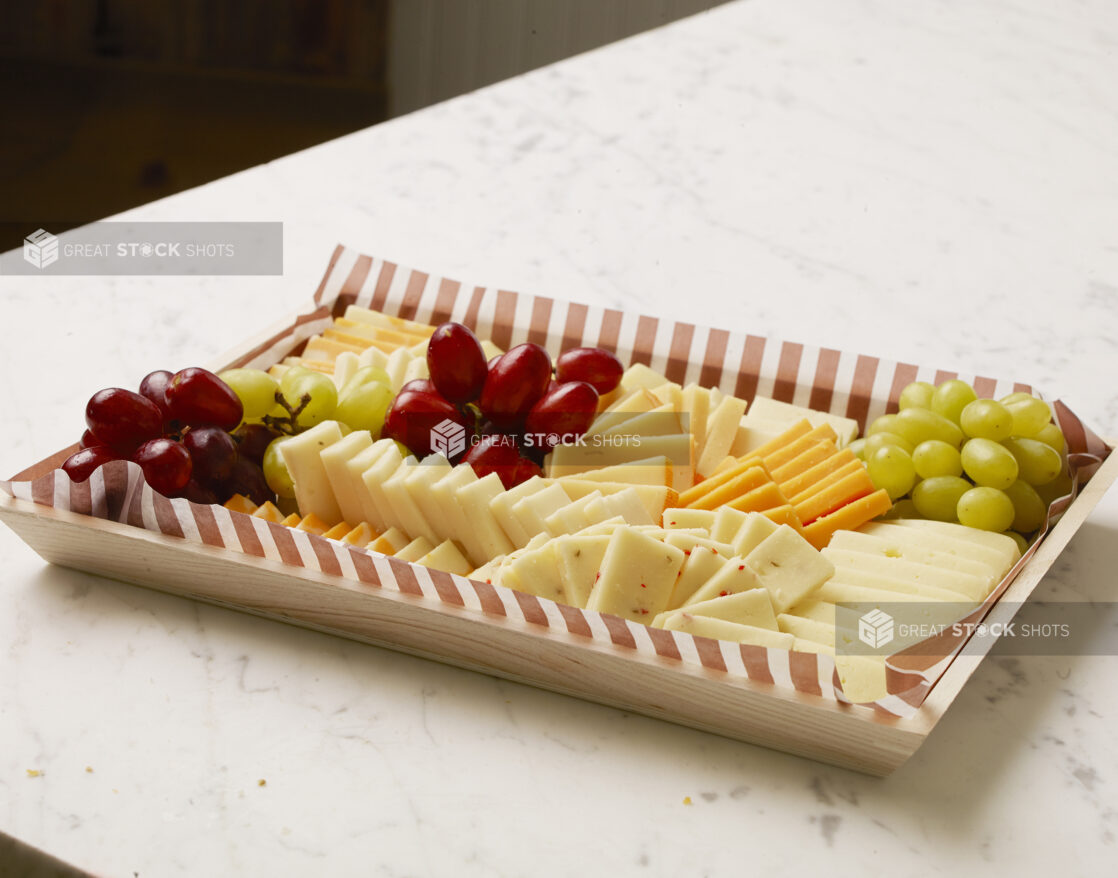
933,182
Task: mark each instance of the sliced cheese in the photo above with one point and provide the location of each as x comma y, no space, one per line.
845,490
720,629
974,587
474,500
721,428
442,494
386,464
751,607
502,508
640,375
695,403
532,511
733,577
405,511
655,471
335,460
536,572
656,498
355,468
415,550
1004,546
302,455
752,532
637,576
697,570
419,483
390,542
580,559
688,518
789,567
446,557
846,429
848,517
807,629
742,483
893,548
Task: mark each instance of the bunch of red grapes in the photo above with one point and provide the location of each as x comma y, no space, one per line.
512,408
178,429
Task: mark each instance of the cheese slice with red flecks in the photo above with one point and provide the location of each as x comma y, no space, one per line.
637,576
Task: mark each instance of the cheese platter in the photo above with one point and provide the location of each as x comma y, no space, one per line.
656,516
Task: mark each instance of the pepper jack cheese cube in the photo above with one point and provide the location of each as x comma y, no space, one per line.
637,576
788,567
751,607
720,629
302,455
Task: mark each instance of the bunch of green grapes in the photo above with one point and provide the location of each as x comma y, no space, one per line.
950,456
276,410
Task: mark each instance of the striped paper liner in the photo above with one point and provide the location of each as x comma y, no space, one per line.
858,386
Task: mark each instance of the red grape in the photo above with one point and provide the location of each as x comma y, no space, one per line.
154,387
253,440
122,419
566,411
515,384
80,465
414,414
421,384
598,368
494,453
456,362
197,397
88,440
196,493
212,453
247,478
166,465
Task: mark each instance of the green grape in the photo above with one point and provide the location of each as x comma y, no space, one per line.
1030,416
1055,489
986,419
938,497
882,424
1052,436
934,457
1038,463
1030,510
918,425
986,509
890,467
364,407
255,389
299,381
365,375
858,448
917,395
951,397
275,470
1016,396
989,464
1022,543
903,509
880,440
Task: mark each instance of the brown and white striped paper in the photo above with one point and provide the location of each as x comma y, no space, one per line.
856,385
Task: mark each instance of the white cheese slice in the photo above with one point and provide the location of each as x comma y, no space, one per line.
663,420
807,629
446,557
568,460
671,394
376,475
727,522
720,629
415,550
580,559
637,576
722,425
752,607
503,503
572,517
474,500
688,518
815,608
442,495
733,577
786,414
335,460
695,406
997,550
918,574
302,454
862,677
419,482
404,508
629,505
857,541
656,498
752,433
789,567
752,533
640,375
698,569
606,527
390,542
372,357
417,368
355,469
532,511
397,366
536,572
344,366
645,471
687,540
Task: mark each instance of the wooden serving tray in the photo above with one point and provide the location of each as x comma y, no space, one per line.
511,642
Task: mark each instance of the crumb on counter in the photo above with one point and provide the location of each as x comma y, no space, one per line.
687,800
34,772
262,783
89,769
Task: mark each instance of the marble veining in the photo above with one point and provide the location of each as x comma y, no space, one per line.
930,182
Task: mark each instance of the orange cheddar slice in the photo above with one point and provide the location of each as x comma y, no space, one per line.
743,483
321,348
800,428
784,515
358,342
853,486
766,496
853,466
814,454
716,481
802,483
241,503
269,512
847,517
338,531
291,521
312,524
793,449
368,331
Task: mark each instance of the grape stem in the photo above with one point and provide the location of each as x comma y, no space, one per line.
287,425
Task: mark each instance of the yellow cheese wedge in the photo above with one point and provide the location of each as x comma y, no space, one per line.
721,428
390,542
327,349
786,438
338,531
360,536
785,514
302,454
335,461
771,410
689,497
640,375
241,503
656,471
291,521
695,402
269,512
848,517
376,318
446,557
367,330
415,550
